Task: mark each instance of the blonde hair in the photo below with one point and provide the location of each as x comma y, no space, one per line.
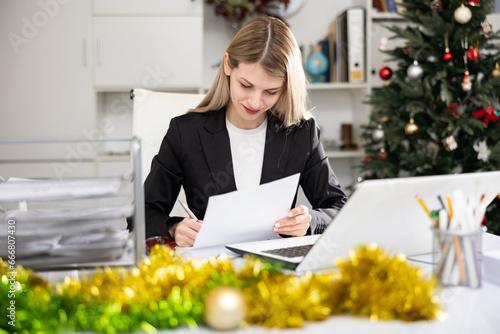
269,42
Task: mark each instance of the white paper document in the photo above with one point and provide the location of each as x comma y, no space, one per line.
246,215
15,190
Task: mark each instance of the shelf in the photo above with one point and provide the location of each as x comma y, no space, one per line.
337,85
345,154
115,157
387,17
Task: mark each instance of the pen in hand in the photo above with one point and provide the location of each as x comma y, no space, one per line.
188,211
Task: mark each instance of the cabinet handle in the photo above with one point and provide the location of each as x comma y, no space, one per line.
85,53
99,52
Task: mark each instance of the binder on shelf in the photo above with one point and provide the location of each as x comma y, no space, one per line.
88,216
339,52
351,46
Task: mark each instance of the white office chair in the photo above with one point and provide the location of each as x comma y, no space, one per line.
152,112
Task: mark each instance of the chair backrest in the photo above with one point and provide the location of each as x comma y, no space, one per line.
152,112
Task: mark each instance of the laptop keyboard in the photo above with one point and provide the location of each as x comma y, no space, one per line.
290,251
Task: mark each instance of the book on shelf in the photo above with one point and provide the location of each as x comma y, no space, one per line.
351,45
391,6
377,5
387,6
325,49
332,38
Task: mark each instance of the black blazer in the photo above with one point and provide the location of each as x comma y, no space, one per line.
196,154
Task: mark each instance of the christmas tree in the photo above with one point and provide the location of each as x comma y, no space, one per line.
438,112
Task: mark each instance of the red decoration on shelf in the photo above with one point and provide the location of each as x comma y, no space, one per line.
472,54
489,114
385,72
447,55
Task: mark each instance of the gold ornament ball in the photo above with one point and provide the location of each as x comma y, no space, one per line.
496,71
225,308
411,128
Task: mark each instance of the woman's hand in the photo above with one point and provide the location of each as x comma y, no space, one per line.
185,232
296,224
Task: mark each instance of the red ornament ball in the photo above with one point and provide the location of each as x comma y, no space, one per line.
385,73
472,54
473,3
447,56
367,160
382,154
406,50
437,5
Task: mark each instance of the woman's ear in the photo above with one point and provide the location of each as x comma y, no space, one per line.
227,69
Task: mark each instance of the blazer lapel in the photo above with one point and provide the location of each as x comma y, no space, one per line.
275,151
217,149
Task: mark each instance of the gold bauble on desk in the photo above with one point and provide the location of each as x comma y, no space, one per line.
225,308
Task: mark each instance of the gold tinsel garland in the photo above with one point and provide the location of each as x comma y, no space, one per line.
167,291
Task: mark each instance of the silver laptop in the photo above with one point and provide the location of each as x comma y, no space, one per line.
383,211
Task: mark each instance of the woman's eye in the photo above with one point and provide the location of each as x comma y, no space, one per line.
272,93
244,86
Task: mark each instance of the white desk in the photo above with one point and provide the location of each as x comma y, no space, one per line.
467,311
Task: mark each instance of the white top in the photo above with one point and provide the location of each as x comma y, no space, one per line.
247,150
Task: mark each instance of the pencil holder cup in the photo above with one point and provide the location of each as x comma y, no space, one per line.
457,257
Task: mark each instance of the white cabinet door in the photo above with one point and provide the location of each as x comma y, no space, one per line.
46,74
150,52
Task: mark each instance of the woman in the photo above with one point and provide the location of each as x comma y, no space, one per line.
251,128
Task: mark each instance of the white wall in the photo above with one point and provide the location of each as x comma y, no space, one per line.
309,25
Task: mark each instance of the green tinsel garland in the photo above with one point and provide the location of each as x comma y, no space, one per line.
167,291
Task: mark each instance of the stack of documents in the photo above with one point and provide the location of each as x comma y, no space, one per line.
64,222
